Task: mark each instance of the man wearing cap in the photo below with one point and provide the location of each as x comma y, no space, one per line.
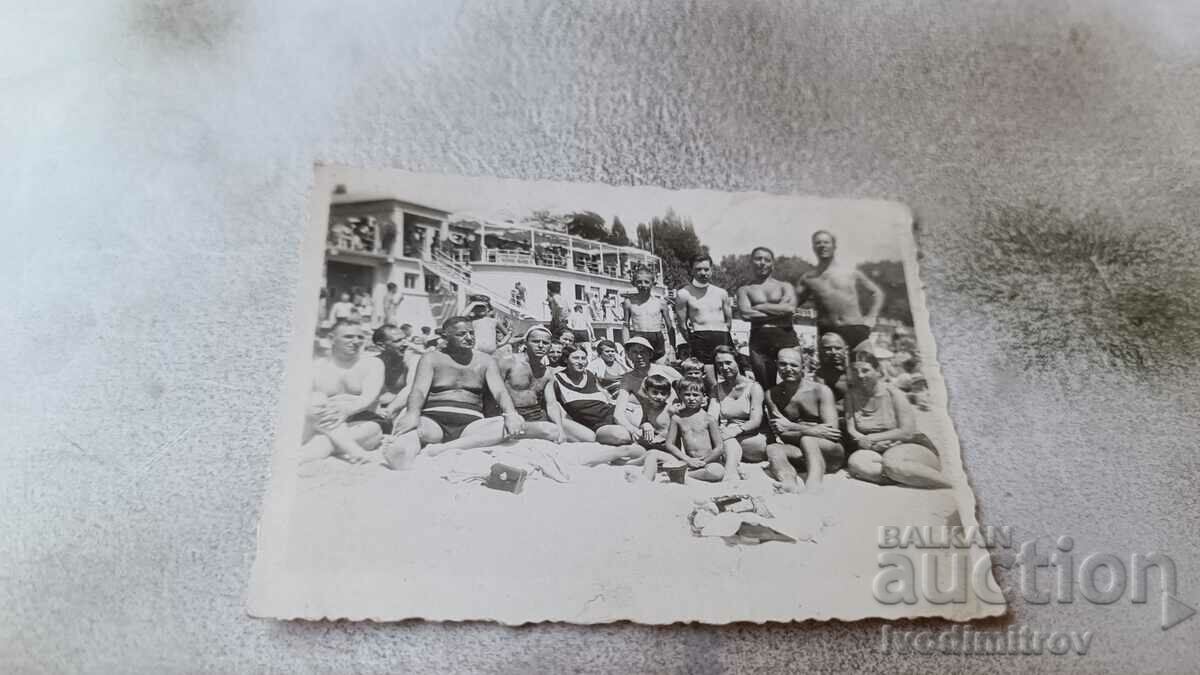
640,354
638,351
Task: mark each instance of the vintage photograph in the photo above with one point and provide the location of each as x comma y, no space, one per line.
533,401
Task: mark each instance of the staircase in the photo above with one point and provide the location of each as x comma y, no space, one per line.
451,270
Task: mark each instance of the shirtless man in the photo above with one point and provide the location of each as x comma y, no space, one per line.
526,376
768,304
833,288
704,313
833,357
445,408
646,315
804,419
397,373
339,419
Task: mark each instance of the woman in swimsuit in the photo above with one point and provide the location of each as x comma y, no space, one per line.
738,404
881,421
575,400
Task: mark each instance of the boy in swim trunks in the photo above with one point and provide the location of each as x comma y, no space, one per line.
646,315
692,438
651,432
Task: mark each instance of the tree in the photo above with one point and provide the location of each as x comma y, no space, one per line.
675,241
643,236
889,275
735,271
587,225
616,235
545,220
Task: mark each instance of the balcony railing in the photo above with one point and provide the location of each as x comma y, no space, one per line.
559,261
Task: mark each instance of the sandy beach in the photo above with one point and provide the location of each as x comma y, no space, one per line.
366,541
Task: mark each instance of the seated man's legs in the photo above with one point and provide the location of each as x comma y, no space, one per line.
400,451
780,455
819,456
814,461
833,454
914,465
547,431
477,434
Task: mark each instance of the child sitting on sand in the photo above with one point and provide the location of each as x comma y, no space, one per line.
692,438
653,395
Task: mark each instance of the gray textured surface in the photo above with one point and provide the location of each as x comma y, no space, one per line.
156,162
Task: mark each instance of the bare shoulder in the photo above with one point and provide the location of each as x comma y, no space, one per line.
821,388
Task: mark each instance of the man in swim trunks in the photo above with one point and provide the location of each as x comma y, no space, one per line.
769,305
526,375
647,315
704,313
833,288
445,408
345,389
804,420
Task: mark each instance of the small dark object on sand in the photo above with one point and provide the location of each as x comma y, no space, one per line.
677,474
506,478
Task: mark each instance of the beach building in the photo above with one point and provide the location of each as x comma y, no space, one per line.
440,259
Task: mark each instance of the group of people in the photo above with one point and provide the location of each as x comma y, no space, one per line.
707,417
358,305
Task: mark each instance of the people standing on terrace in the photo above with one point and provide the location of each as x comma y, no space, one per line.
581,327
